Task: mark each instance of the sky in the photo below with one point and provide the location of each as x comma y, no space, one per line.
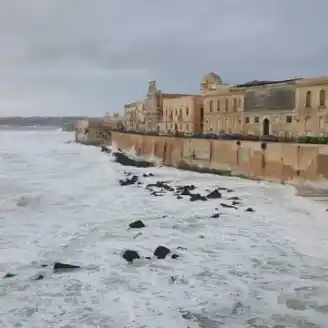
88,57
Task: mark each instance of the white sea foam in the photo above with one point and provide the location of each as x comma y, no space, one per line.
267,268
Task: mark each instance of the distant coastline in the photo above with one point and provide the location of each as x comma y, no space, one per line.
32,122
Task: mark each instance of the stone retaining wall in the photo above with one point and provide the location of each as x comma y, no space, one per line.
281,162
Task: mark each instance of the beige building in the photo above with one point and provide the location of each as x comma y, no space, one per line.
134,114
181,113
288,108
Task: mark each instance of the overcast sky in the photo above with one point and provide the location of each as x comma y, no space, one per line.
86,57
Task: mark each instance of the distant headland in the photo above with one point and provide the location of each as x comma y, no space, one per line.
64,122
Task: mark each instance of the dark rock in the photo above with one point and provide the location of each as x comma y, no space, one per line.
161,252
179,197
249,209
106,149
130,255
215,215
236,203
201,236
126,160
222,188
233,198
189,187
185,192
9,275
229,190
137,235
145,175
44,265
58,266
228,206
181,248
160,184
164,216
137,224
175,256
214,194
139,183
195,197
39,277
148,258
129,181
156,193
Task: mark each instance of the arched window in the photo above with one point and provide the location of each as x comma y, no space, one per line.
308,99
227,104
322,98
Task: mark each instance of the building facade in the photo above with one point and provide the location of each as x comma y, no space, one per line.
134,114
181,113
288,108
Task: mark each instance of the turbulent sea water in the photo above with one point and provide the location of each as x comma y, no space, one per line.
62,202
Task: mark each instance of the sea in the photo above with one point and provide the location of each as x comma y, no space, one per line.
62,202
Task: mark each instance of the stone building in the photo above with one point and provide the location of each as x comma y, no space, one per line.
146,115
181,113
134,114
223,105
288,108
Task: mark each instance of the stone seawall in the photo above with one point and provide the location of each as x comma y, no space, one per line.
280,162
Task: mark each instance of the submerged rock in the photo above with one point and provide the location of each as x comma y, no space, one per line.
160,184
228,206
58,266
130,255
9,275
105,149
195,197
215,215
214,194
39,277
137,224
129,181
161,252
249,209
126,160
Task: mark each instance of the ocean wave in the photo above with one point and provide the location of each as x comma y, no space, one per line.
242,269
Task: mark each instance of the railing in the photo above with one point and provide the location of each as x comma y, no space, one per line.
236,136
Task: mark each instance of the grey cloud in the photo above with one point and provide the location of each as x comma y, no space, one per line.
81,56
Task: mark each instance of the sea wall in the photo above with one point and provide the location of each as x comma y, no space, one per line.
280,162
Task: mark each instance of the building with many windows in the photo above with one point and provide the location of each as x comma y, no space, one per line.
181,113
288,108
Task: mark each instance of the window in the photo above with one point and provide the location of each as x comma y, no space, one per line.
187,111
235,104
322,98
180,127
239,103
187,128
227,105
166,126
211,106
289,119
218,105
320,122
246,119
308,99
256,119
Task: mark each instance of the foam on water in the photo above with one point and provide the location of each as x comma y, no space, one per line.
62,202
